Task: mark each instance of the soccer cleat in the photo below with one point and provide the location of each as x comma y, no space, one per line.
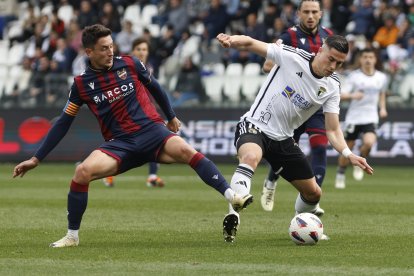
267,198
241,202
66,241
358,173
109,181
319,211
155,182
340,181
230,225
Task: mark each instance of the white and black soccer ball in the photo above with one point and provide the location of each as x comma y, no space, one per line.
305,229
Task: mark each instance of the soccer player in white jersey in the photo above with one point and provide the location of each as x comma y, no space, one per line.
292,92
365,88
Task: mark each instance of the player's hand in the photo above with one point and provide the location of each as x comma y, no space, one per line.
383,113
174,125
224,39
25,166
361,162
357,95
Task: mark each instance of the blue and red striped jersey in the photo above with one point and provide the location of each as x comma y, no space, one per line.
298,38
118,97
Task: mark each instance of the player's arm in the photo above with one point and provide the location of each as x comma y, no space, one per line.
383,105
268,64
53,137
346,96
243,42
336,139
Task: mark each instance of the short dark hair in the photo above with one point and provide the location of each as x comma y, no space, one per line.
367,50
337,42
301,3
139,41
91,34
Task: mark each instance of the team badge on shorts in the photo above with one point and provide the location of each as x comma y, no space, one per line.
252,130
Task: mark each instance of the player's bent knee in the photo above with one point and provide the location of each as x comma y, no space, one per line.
318,140
83,173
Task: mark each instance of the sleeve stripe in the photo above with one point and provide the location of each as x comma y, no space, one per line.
71,109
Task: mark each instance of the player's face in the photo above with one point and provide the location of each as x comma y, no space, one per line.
309,15
141,52
102,54
328,60
368,60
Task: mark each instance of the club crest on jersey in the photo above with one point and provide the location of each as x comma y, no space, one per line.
122,74
321,91
288,92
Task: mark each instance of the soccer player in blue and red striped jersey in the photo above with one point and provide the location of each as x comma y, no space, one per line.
113,89
308,35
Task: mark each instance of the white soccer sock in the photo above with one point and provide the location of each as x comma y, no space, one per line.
270,184
73,233
304,207
241,181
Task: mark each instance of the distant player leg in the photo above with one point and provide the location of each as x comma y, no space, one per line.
368,140
342,164
153,179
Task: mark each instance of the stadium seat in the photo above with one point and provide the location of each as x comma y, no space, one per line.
16,54
4,52
232,85
4,73
154,29
12,79
133,14
406,89
148,12
251,80
214,82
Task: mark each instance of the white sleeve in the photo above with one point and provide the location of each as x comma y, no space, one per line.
275,52
332,104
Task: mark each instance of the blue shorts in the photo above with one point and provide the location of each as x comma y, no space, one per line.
135,151
314,125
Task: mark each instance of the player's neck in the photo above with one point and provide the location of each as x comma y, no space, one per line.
369,71
307,30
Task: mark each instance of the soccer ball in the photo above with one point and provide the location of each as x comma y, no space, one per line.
305,229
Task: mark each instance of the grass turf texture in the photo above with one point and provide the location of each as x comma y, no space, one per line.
176,230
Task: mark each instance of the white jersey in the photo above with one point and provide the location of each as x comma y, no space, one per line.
291,93
365,110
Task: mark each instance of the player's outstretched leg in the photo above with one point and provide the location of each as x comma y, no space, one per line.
77,202
230,225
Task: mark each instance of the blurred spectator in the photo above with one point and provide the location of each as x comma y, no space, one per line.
36,93
255,29
340,15
215,20
37,40
56,85
57,24
278,28
387,34
177,16
271,12
189,87
79,63
63,56
109,17
165,47
74,36
288,14
363,19
28,29
87,16
125,38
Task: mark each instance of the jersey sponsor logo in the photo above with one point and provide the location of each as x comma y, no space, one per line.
297,99
115,94
91,85
122,74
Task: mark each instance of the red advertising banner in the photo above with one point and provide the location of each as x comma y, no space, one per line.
210,131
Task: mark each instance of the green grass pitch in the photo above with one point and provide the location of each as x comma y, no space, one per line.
176,230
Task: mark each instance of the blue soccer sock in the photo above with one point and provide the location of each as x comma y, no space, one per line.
319,163
77,202
208,172
153,168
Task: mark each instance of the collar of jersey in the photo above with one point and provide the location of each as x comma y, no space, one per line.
98,70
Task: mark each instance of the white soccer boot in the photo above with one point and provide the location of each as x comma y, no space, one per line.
358,173
66,241
241,202
319,211
268,197
340,181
